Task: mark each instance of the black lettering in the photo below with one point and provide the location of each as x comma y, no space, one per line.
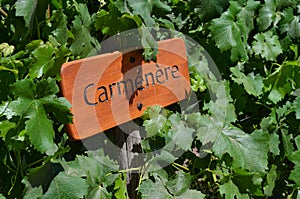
174,71
166,72
147,82
124,82
139,80
86,98
159,73
104,93
111,90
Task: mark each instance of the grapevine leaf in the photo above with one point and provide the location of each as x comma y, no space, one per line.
230,190
26,9
287,142
267,45
271,179
247,181
95,167
150,190
249,151
155,123
278,82
99,192
44,56
39,129
222,107
191,194
23,88
232,29
32,192
267,15
144,9
295,173
5,126
252,84
274,143
180,134
31,106
296,105
61,30
66,187
120,187
83,44
180,183
290,23
59,107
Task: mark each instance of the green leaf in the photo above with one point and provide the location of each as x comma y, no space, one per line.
290,23
5,126
287,142
149,44
61,30
39,129
23,88
144,9
150,190
232,29
31,106
26,9
252,84
268,15
59,107
180,184
179,134
230,190
99,192
156,121
44,60
221,107
95,168
296,105
295,173
279,82
83,44
191,194
249,151
32,192
267,45
271,179
120,187
66,187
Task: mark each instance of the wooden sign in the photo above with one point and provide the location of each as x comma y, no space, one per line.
114,88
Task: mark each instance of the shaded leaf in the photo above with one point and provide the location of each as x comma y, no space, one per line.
252,84
271,179
230,190
290,23
26,9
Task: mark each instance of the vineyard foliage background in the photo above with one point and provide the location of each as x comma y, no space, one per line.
250,132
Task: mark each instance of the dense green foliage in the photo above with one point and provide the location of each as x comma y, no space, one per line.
245,143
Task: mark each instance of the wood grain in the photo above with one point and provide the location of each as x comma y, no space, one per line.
96,88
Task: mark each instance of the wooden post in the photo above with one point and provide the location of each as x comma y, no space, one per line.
128,137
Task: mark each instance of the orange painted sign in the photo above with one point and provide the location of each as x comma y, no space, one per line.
114,88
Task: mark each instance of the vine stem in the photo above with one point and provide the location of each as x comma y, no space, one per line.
176,165
3,12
